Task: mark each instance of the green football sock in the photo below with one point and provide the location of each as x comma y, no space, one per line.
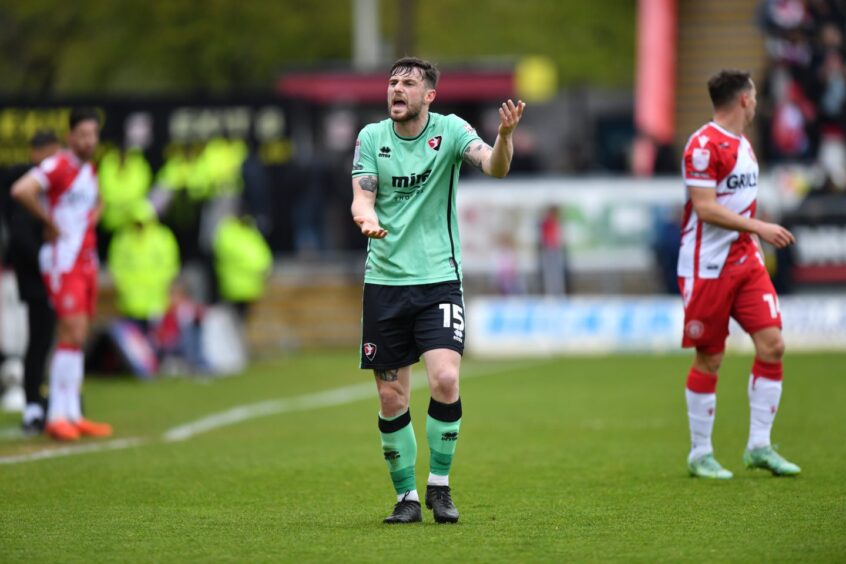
400,449
442,426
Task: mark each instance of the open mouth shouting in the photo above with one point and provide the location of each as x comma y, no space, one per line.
398,104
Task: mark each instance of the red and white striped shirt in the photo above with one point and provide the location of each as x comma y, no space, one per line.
72,194
716,158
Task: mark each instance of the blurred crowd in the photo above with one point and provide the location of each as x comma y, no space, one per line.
804,88
175,242
205,207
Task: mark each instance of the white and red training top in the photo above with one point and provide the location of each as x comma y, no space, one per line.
718,159
72,194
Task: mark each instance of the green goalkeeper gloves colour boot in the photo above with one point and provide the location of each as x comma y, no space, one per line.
706,466
767,458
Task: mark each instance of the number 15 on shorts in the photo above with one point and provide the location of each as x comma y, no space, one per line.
457,316
454,319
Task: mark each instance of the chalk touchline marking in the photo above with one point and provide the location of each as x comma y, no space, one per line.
305,402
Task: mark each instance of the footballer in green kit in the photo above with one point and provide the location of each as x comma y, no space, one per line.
404,178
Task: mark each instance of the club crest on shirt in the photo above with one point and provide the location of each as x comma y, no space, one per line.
701,158
369,350
435,143
694,329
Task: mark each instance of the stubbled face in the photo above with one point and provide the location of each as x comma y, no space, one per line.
407,94
750,103
83,139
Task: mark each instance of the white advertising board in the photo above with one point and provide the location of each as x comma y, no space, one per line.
608,223
540,326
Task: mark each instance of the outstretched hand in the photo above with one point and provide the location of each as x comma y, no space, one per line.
370,227
509,116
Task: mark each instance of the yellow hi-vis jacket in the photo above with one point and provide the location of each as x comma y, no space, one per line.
242,260
122,185
143,261
220,162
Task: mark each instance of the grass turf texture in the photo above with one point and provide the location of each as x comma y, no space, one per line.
564,459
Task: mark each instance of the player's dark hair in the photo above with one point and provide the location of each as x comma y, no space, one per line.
79,115
42,138
726,85
407,65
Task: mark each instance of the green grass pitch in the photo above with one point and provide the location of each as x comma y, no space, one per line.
564,459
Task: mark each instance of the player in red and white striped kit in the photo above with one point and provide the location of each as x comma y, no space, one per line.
721,275
63,193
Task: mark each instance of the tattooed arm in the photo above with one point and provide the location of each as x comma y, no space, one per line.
496,160
363,206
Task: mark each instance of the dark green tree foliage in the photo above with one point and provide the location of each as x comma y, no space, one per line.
214,46
591,41
155,46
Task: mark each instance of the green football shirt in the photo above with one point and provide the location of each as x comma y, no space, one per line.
415,200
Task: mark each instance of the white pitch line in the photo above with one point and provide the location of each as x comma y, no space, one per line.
329,398
116,444
306,402
338,396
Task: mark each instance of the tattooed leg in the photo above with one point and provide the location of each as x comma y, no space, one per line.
389,375
394,387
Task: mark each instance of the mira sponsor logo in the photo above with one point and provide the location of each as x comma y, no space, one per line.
744,180
410,181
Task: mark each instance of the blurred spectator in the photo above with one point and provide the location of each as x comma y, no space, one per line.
125,179
219,164
242,261
309,205
143,260
552,263
805,85
793,113
22,256
832,104
221,161
177,198
785,23
178,336
256,197
665,246
507,279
